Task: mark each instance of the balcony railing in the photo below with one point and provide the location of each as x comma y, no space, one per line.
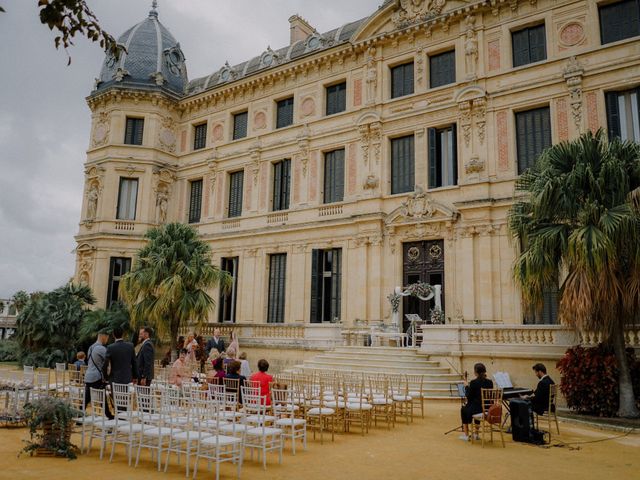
329,210
278,217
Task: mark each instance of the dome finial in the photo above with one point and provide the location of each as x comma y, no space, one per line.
154,9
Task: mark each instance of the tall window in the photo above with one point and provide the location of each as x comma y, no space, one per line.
402,165
277,284
117,268
533,135
133,131
334,176
442,69
281,184
336,98
443,157
623,114
236,180
529,45
326,284
227,310
619,20
402,80
240,123
195,201
285,113
127,199
200,136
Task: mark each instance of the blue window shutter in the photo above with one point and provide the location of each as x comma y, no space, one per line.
537,44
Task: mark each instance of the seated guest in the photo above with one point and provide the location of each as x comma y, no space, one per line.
245,370
80,356
217,374
166,360
540,398
264,378
179,371
231,357
233,372
474,397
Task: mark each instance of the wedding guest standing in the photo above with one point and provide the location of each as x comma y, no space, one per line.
145,356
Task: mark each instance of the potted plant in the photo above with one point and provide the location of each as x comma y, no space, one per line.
50,422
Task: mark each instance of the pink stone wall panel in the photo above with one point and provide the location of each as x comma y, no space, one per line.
183,141
296,181
313,176
503,141
494,55
207,192
352,170
264,188
357,92
592,111
563,122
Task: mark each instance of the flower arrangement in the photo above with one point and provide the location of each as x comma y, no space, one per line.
421,290
437,316
50,421
394,300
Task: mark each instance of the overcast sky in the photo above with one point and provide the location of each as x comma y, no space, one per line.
44,119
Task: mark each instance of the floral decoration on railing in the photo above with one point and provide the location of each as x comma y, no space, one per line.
421,290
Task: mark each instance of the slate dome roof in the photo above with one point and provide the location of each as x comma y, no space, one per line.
153,59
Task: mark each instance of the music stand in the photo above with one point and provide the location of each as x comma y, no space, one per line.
461,393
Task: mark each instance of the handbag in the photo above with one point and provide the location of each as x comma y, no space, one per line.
494,414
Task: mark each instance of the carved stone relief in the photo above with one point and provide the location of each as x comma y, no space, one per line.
409,12
303,153
218,132
418,205
308,107
573,73
101,129
465,121
163,180
167,135
94,181
86,261
371,77
260,120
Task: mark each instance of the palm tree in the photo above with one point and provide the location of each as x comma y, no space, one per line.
168,284
579,220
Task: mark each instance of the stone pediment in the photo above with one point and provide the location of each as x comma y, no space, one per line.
398,14
420,206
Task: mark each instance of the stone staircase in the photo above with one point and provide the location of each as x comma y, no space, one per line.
438,378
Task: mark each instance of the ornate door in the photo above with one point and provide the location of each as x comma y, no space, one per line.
422,262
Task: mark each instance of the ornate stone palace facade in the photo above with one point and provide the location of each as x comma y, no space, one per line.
326,173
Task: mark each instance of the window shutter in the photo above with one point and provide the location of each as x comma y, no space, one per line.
336,283
285,113
240,121
195,203
286,183
277,284
277,186
235,194
454,158
537,44
336,98
408,79
613,115
520,47
128,133
331,101
342,97
619,21
338,175
139,123
432,134
396,82
316,286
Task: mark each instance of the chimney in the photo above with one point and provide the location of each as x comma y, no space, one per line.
300,29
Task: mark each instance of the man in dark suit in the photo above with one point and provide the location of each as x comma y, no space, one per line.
216,342
540,398
145,357
121,356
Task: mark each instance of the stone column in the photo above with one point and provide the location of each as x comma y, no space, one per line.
467,277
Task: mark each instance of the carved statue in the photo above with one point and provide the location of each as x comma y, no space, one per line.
92,203
162,203
372,78
471,53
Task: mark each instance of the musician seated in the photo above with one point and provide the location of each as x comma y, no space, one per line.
473,392
540,398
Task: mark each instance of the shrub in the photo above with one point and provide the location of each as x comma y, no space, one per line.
589,379
8,351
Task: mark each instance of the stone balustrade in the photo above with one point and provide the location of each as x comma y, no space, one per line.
315,337
544,341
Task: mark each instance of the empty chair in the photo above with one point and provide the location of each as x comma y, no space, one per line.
284,407
261,437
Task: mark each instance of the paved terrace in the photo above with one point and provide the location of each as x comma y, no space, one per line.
417,451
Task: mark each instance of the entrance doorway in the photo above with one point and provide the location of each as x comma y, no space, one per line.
422,262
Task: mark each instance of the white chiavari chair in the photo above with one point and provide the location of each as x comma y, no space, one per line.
84,420
283,406
358,409
381,398
126,430
403,403
101,426
261,437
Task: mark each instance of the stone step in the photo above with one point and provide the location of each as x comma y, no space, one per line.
381,360
365,367
409,352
